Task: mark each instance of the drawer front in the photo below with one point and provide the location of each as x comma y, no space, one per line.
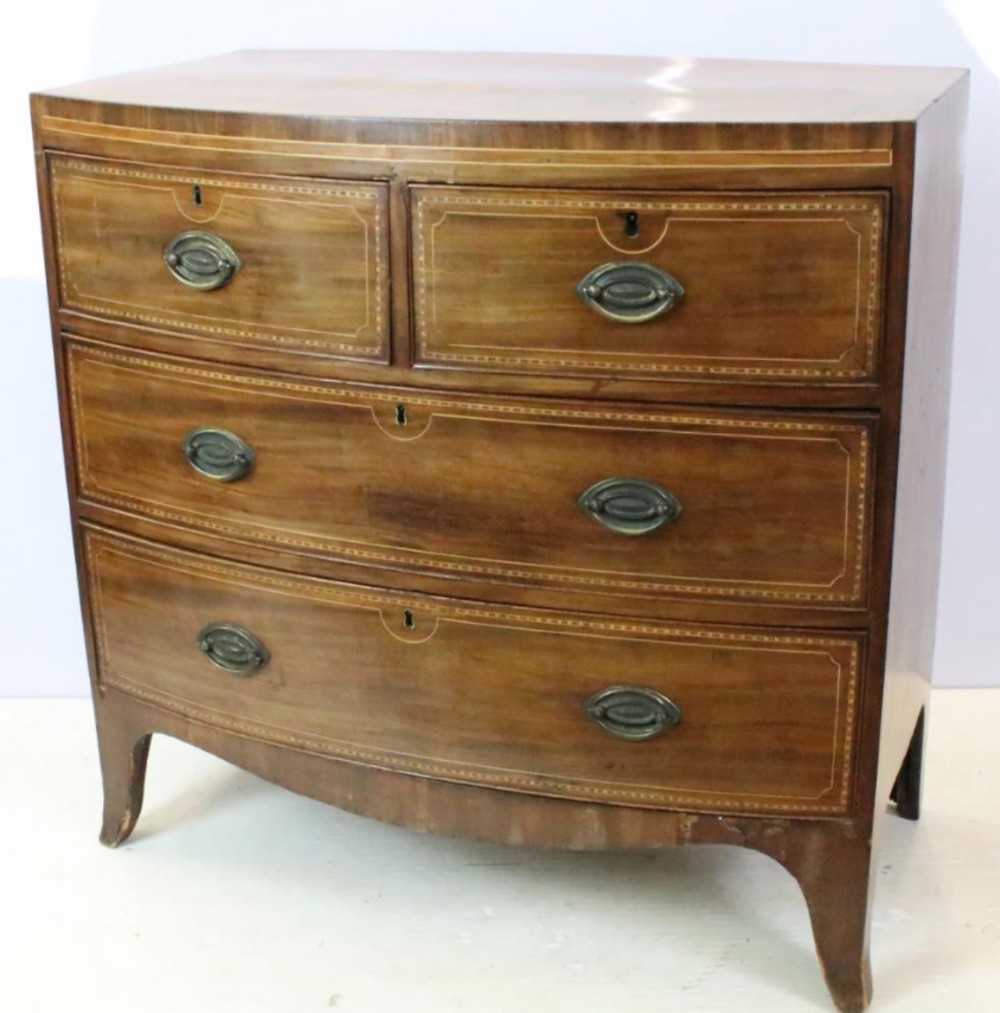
299,265
772,508
514,699
772,287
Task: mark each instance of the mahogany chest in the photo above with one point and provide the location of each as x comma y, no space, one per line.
541,449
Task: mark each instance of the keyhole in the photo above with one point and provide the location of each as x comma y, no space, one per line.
196,195
631,223
401,415
408,621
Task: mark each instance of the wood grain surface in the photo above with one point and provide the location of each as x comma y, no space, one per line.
314,274
776,286
427,398
532,87
481,694
774,507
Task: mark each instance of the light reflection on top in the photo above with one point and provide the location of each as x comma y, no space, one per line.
670,109
668,77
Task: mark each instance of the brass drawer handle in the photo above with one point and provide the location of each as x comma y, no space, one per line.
630,292
233,649
630,506
218,454
201,260
632,712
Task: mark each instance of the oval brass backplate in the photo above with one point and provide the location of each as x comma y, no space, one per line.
233,648
218,454
630,506
630,292
201,260
632,712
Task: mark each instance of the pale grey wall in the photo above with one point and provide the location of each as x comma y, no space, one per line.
60,41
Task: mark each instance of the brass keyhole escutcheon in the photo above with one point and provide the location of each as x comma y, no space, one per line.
408,621
401,418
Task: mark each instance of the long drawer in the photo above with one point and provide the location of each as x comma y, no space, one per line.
778,287
300,265
763,507
550,703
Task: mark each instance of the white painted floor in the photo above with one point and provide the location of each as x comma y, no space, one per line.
234,895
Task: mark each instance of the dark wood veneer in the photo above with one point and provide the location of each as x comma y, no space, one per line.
781,285
314,277
480,693
551,127
775,507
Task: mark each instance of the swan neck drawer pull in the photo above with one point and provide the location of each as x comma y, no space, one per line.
630,292
630,506
632,712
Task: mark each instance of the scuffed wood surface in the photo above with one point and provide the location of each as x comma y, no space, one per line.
687,929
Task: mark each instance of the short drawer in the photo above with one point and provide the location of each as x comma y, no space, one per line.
776,287
763,507
299,265
549,703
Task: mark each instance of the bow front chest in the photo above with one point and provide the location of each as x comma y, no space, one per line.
546,450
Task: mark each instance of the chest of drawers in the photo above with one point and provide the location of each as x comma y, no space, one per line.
545,450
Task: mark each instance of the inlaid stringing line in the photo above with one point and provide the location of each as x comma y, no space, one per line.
100,545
